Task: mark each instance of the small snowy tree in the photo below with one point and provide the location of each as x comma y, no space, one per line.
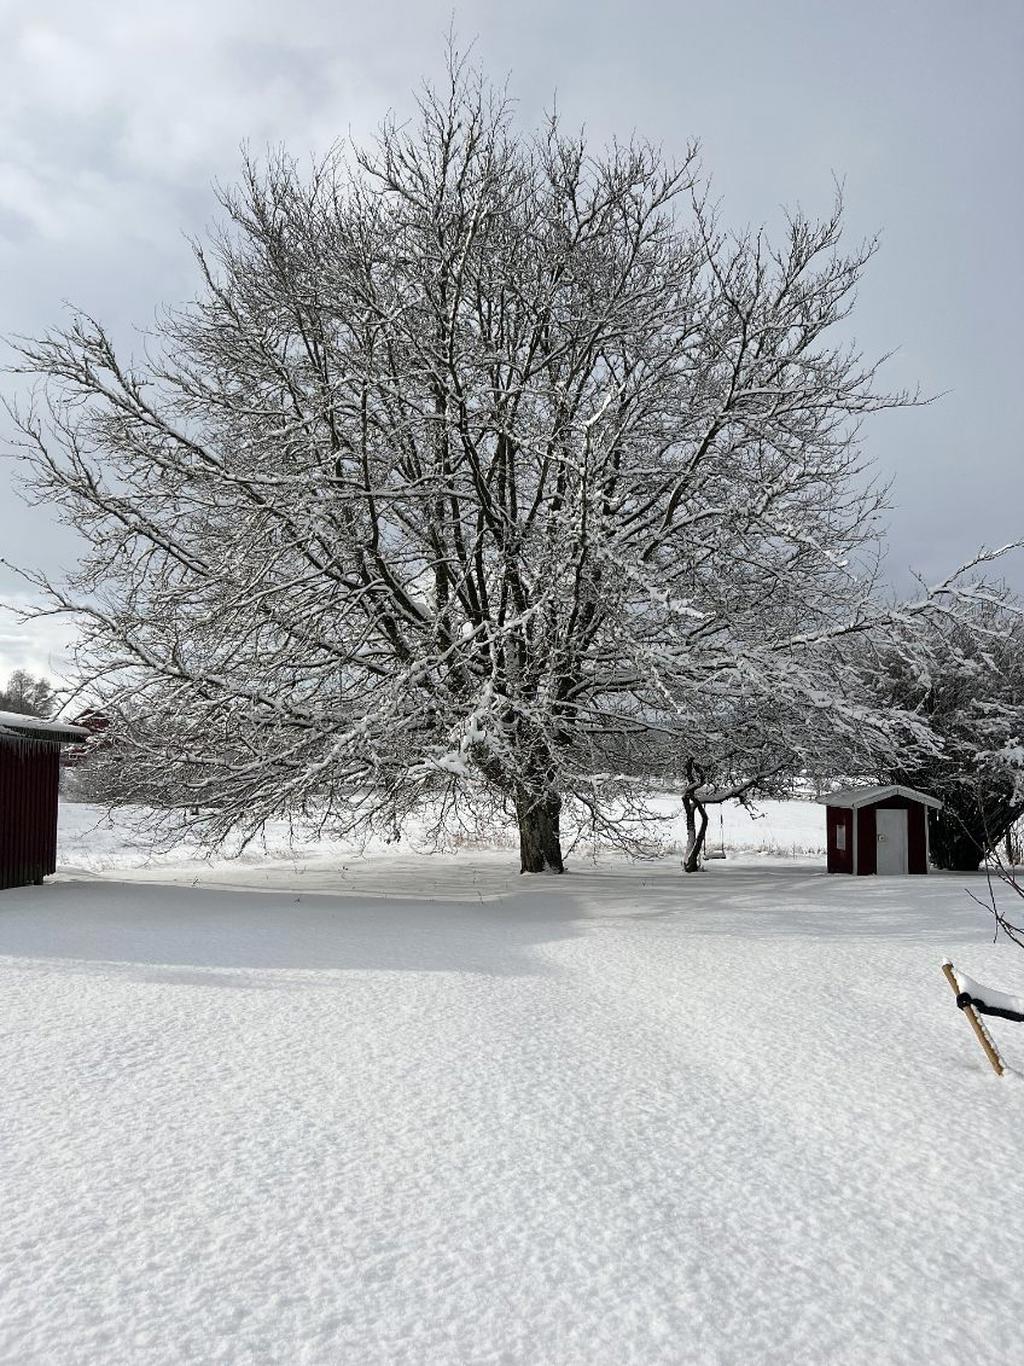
475,450
826,719
27,695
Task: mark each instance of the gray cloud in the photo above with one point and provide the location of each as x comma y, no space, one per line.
117,117
42,646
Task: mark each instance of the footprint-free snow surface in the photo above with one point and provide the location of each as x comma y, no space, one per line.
420,1110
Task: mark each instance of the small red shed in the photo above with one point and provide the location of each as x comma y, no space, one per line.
29,782
878,829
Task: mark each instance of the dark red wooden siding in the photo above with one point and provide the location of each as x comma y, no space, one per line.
917,839
839,818
867,835
29,780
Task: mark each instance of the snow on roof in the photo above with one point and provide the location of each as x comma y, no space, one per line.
867,796
13,723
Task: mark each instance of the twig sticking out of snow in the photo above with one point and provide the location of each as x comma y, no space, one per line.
983,1036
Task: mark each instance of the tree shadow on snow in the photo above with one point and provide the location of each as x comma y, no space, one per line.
781,902
195,934
477,918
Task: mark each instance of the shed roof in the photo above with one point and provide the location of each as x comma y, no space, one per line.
867,796
34,728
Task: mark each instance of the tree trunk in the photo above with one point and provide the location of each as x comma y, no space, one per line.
540,849
695,833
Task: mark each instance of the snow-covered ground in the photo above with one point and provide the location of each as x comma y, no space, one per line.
315,1109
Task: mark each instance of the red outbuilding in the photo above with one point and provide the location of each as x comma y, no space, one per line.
29,782
878,829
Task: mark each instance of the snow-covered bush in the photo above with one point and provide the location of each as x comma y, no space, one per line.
968,684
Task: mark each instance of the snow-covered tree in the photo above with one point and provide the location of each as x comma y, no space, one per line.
476,450
27,695
967,683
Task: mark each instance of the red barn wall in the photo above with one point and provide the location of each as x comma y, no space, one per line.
29,781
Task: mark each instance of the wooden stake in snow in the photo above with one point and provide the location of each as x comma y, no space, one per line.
984,1038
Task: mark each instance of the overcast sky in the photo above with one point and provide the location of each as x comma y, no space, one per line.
117,116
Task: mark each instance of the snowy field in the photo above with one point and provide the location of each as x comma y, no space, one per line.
92,842
316,1109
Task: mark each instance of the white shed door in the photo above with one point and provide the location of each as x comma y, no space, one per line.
891,827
